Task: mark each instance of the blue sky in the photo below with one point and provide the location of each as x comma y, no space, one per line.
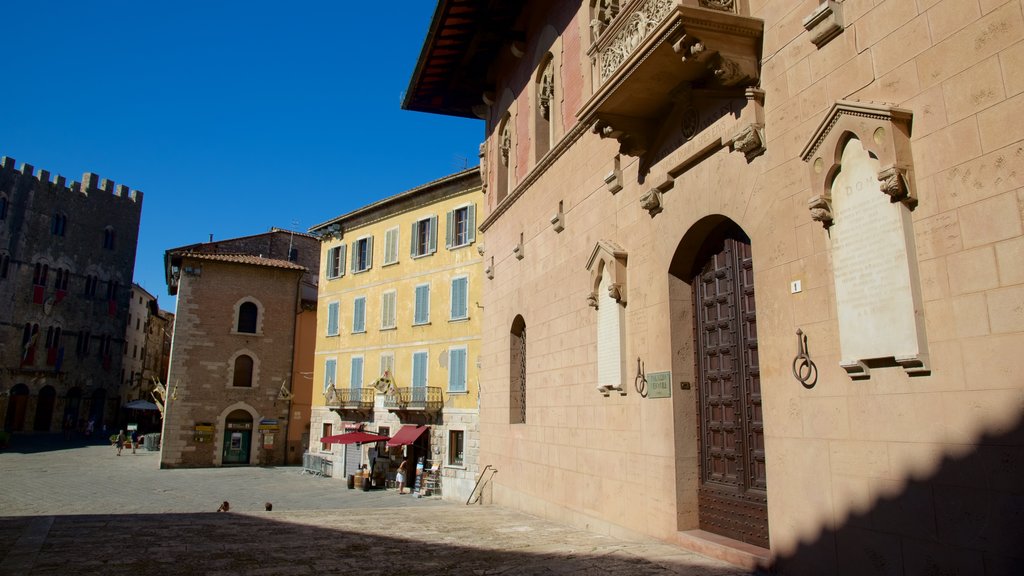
230,116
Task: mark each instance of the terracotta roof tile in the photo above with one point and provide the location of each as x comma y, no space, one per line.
243,259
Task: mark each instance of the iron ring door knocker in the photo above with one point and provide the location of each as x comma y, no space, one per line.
641,379
804,369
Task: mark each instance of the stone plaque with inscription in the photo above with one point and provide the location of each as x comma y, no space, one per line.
875,268
659,384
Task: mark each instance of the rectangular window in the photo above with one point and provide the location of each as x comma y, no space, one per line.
332,319
456,447
457,369
419,371
355,380
326,431
460,298
387,365
336,261
388,304
359,315
391,246
461,229
424,237
330,373
422,311
362,254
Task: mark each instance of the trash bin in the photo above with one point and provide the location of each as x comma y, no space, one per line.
151,442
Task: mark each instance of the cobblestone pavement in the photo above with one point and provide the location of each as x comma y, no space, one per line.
75,508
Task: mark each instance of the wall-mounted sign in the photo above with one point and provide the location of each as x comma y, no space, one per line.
659,384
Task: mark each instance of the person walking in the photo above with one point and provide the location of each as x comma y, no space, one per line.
403,469
120,442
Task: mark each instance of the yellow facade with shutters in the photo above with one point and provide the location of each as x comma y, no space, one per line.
399,325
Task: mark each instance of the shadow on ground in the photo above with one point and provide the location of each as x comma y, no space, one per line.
134,545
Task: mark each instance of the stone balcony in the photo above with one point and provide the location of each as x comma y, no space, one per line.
655,58
425,399
350,402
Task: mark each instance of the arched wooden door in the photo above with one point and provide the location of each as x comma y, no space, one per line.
732,497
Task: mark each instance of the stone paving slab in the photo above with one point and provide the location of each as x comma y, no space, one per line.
85,511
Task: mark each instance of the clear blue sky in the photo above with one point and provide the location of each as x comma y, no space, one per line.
230,116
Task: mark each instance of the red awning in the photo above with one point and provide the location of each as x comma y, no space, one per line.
407,435
352,438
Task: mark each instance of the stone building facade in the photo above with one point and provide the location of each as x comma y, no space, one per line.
145,334
398,335
758,268
67,255
229,394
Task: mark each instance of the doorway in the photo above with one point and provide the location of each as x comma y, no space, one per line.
732,483
17,404
44,409
237,438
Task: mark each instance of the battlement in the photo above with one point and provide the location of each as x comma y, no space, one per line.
90,182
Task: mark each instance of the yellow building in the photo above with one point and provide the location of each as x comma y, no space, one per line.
398,334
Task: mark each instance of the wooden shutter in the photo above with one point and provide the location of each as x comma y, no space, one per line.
413,238
433,235
448,230
471,224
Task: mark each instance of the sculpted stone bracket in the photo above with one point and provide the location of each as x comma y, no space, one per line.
825,23
607,258
749,141
885,133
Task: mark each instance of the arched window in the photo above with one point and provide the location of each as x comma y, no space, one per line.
505,155
5,264
29,337
3,207
543,115
242,375
248,313
517,372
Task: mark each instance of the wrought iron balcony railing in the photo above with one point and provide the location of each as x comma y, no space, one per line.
425,398
350,398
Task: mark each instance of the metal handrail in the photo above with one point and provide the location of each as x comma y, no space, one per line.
479,481
414,398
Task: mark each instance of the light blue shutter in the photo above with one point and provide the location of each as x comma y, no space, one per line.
422,315
369,252
449,232
341,262
329,371
457,370
459,298
332,319
355,255
419,370
356,376
359,315
433,234
413,238
471,224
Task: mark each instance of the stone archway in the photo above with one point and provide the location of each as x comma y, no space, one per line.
17,405
714,339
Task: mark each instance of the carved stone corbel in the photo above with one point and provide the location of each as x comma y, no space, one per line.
749,141
825,23
489,271
592,300
615,291
894,182
821,209
652,202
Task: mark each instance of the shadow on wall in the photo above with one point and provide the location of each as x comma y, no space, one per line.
965,518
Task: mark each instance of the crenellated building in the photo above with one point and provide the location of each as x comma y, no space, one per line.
241,350
67,255
755,272
398,332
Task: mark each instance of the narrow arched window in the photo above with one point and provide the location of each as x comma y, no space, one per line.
248,313
108,238
543,114
242,376
517,372
505,155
